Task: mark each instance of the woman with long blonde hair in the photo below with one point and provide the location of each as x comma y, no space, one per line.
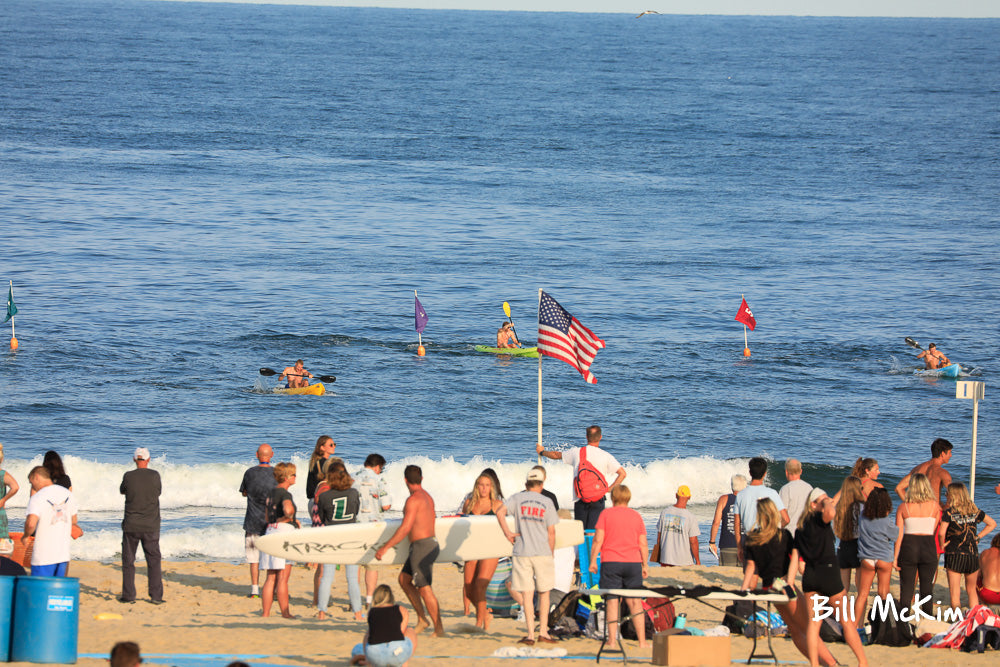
960,541
814,544
851,498
483,500
916,553
768,554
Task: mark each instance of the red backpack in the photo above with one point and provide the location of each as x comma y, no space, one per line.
589,484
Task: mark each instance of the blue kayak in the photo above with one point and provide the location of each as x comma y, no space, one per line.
951,371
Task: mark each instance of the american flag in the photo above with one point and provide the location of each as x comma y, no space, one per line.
561,336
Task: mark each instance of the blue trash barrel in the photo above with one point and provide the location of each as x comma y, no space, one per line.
6,609
46,620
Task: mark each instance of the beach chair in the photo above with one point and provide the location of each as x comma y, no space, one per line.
498,598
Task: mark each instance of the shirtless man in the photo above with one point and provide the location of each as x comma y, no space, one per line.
418,525
989,574
505,336
933,358
936,474
297,375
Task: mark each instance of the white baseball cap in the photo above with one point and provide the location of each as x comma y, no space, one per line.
141,453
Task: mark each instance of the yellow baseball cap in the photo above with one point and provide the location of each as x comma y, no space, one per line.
683,491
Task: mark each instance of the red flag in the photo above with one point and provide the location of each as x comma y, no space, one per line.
561,336
745,316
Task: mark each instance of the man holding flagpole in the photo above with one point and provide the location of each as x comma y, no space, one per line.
563,337
589,459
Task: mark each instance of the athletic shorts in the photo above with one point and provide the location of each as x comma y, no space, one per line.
961,563
250,548
420,561
730,557
51,570
267,561
533,573
847,555
823,580
621,575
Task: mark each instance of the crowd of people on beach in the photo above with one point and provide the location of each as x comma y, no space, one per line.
796,538
776,536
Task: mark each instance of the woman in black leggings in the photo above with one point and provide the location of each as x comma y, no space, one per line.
916,553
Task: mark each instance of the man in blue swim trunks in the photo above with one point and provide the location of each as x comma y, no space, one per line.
417,574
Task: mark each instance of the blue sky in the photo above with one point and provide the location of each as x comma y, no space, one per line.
932,8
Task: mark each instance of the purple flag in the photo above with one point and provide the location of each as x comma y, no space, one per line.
419,315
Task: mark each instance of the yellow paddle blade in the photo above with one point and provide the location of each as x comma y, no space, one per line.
506,309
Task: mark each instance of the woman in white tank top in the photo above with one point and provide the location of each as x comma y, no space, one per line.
916,551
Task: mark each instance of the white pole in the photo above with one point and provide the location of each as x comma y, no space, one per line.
972,472
539,388
745,345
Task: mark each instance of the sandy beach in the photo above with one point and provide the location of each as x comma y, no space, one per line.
207,612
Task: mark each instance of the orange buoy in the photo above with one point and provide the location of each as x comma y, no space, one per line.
420,350
746,352
13,343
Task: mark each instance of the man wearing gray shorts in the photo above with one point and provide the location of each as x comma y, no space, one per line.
418,525
534,540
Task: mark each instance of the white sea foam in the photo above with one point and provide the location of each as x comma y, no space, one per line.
203,510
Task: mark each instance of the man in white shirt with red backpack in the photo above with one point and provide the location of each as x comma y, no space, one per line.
592,468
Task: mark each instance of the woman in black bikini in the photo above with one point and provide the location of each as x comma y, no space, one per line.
482,501
814,544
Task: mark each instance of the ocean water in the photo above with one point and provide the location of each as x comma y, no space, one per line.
189,192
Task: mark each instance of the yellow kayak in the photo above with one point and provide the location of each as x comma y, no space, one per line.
312,390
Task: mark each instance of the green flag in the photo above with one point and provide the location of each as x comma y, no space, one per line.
11,308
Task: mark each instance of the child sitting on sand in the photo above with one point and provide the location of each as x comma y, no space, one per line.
388,642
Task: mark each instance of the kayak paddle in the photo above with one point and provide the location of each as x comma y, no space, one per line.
268,372
506,311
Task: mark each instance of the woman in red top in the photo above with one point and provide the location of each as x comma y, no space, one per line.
620,539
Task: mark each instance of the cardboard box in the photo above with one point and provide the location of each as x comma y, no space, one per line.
690,651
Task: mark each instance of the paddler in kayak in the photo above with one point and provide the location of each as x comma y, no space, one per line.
505,336
297,375
933,358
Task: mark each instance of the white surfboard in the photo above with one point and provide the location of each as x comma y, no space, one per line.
460,539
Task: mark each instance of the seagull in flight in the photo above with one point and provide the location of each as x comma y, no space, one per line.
648,11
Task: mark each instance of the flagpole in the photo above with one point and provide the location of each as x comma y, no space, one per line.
746,345
420,340
539,388
13,338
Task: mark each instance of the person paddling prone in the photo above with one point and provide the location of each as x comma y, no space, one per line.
506,337
933,358
297,375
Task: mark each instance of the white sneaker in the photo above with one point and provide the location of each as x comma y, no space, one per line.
520,615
